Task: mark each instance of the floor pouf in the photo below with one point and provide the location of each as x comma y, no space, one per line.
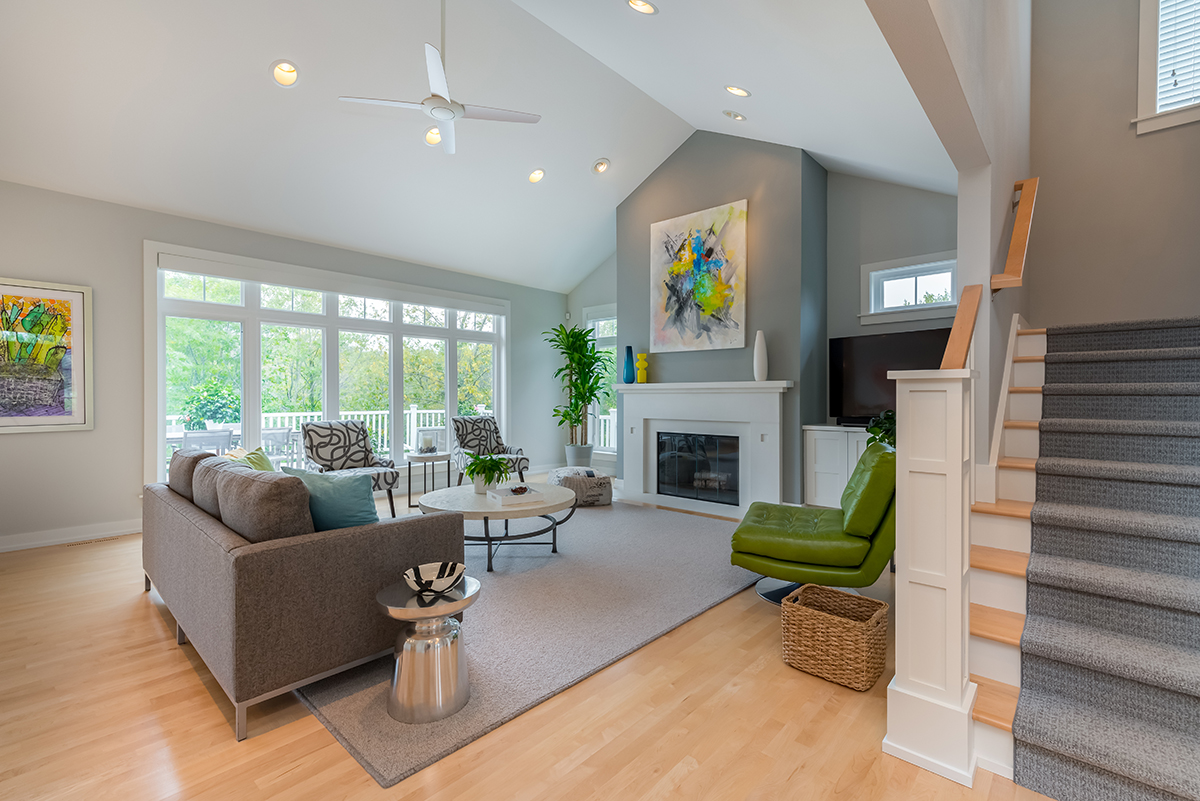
592,488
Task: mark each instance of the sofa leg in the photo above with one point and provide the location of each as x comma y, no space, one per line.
392,503
146,576
239,721
180,637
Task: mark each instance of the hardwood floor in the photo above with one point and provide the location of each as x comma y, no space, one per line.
99,702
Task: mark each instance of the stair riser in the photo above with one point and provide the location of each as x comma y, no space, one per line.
1120,407
1166,626
1133,496
998,590
1021,442
1122,448
1031,345
1119,550
1016,485
1125,340
994,749
994,660
1028,374
1118,372
1056,776
995,531
1024,406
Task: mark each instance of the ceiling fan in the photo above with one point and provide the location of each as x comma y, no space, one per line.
438,106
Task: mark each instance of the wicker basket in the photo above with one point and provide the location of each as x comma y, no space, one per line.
836,635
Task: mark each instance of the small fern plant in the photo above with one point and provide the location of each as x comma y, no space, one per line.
883,429
492,469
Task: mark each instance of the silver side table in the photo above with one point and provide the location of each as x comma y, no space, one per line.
430,680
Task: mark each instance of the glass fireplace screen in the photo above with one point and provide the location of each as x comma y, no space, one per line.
700,466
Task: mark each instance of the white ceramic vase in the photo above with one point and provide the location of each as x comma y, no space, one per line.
760,357
481,488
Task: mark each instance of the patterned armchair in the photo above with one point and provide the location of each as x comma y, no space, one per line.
344,446
480,435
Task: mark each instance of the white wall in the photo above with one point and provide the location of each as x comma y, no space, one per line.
55,487
597,289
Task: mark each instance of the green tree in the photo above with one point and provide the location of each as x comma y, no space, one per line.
474,376
424,373
292,374
198,352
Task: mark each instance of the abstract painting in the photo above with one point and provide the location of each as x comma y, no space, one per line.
45,364
698,280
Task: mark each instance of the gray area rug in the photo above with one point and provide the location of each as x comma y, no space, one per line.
1110,665
624,576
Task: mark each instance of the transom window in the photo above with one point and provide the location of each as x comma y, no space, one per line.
286,298
364,308
203,288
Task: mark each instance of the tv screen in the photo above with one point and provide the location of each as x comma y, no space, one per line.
859,387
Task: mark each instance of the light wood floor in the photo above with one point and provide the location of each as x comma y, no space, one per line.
98,702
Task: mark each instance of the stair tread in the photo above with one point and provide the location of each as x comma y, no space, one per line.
1004,508
1155,473
1016,463
1144,428
1125,388
1026,390
1028,425
1028,359
1163,590
1000,625
995,702
999,560
1118,521
1132,355
1031,332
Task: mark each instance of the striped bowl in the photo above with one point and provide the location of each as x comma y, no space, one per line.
434,577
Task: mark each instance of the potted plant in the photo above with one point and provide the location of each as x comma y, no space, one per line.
883,429
486,470
583,380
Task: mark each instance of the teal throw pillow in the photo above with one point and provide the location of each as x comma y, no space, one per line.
869,491
338,501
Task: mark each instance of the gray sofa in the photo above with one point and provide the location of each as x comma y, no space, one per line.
269,604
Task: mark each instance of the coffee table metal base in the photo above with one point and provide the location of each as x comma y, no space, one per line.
430,680
493,543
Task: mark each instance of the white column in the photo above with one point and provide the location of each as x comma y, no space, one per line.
931,697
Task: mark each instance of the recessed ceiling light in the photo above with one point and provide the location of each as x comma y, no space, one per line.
643,7
536,176
600,166
433,137
737,90
284,72
733,115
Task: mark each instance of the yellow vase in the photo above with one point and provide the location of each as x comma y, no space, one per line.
641,368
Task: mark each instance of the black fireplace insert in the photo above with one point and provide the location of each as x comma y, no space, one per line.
700,466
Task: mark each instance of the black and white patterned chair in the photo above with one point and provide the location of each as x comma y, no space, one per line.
481,435
344,446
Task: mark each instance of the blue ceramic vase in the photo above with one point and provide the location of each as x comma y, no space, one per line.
629,376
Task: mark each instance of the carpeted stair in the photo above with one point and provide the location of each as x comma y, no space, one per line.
1110,665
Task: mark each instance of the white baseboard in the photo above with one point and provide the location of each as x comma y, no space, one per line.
544,468
62,536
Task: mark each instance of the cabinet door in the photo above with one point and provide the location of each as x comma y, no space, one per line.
858,444
825,473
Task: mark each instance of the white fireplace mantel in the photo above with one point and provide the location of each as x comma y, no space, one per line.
749,410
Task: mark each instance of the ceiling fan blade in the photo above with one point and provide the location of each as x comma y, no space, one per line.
447,130
498,114
377,102
437,73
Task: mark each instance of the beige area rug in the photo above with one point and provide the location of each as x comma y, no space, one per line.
624,576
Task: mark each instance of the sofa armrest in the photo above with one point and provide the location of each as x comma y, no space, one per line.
306,604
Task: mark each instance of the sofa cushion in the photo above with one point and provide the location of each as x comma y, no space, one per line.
809,535
261,506
341,499
204,484
183,465
869,491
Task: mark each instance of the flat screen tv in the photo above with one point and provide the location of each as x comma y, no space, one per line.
859,388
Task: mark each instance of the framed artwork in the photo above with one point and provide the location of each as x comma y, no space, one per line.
45,357
698,280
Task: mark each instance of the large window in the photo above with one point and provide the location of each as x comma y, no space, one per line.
602,418
1168,64
912,288
246,362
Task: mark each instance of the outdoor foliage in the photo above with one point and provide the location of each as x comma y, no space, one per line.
213,400
292,369
474,377
199,351
883,429
583,376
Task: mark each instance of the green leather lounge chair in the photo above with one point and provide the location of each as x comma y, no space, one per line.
847,547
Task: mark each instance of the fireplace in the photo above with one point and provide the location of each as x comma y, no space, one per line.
699,466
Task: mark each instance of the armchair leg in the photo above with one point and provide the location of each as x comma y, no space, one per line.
520,474
391,503
460,475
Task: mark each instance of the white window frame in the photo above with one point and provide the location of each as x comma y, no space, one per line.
592,315
158,256
1149,119
870,284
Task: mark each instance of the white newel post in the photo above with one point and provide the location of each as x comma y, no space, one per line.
931,697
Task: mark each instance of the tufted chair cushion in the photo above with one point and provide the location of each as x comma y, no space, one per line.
811,535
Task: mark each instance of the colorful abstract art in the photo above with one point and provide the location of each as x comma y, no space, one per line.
43,376
698,280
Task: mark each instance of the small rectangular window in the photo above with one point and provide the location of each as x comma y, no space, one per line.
476,321
912,286
286,298
202,288
364,308
424,315
1168,64
605,328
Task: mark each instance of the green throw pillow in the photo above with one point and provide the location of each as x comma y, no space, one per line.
338,501
869,492
256,460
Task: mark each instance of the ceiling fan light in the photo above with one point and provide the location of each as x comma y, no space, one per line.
433,137
600,166
733,115
284,72
536,176
737,90
643,7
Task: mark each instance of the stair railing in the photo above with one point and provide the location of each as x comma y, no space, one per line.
1014,266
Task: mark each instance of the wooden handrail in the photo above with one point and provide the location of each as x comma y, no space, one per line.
1014,267
959,343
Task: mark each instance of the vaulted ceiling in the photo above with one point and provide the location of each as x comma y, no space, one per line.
171,107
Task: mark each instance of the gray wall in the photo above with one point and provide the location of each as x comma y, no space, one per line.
1116,233
708,170
598,289
873,221
62,238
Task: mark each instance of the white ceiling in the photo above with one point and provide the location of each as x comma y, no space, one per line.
170,106
822,76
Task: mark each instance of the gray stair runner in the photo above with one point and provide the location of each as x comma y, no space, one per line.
1110,657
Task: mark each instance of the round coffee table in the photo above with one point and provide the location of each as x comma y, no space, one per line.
430,680
473,506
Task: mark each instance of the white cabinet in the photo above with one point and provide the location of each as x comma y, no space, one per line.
830,455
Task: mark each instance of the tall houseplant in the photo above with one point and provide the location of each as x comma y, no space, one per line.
582,377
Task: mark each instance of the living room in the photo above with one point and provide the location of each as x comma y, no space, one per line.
110,176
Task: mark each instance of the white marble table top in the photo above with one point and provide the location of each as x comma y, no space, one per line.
473,506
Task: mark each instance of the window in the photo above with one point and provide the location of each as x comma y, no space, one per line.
204,288
474,321
914,288
285,298
364,308
1168,64
602,417
424,315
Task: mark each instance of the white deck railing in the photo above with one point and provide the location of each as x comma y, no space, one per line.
604,431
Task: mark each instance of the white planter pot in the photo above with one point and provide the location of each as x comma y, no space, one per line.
480,487
579,455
